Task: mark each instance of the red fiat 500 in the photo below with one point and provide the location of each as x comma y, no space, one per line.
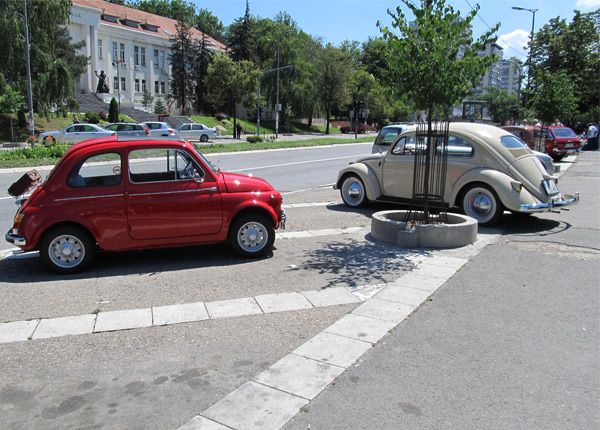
120,195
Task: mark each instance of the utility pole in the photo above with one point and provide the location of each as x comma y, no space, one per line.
258,108
277,107
29,96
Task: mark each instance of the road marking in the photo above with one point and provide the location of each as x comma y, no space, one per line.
322,160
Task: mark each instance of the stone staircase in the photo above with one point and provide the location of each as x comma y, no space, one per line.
90,102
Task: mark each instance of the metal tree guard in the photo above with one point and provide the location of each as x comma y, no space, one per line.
429,176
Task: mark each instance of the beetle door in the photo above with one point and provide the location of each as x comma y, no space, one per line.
170,195
397,169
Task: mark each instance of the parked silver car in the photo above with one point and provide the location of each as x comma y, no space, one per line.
128,129
194,131
489,170
159,129
75,133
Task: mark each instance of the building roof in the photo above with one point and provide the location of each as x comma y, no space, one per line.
144,22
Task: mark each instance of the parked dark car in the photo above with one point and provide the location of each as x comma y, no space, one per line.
350,128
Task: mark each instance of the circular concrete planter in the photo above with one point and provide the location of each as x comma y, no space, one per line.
390,227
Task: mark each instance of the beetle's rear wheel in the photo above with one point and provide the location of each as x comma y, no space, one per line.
482,203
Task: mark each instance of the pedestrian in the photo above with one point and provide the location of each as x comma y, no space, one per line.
592,134
75,120
239,130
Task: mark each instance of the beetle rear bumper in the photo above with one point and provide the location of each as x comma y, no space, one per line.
554,203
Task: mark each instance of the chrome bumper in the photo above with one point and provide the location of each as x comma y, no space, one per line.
11,238
552,204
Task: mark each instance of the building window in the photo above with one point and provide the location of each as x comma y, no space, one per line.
122,52
123,86
156,87
136,55
115,84
99,49
143,56
161,59
115,53
156,58
144,86
162,87
137,85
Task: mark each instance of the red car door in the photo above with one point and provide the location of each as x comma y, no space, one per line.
170,195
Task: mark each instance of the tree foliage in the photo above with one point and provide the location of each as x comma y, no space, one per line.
180,10
113,111
554,97
437,63
209,24
500,105
332,80
54,61
241,37
572,52
183,62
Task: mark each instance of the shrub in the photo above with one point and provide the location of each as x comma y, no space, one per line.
40,151
113,111
254,139
221,116
102,115
92,117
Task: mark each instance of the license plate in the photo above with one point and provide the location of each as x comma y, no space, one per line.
550,187
569,145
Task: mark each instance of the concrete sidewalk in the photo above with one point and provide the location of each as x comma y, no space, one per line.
510,341
503,335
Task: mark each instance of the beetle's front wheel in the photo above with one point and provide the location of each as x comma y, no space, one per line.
353,192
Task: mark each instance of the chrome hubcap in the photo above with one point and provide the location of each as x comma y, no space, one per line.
252,236
66,251
354,190
482,204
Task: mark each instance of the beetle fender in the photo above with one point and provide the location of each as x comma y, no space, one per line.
501,183
366,174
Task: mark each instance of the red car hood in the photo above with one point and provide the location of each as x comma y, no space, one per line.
237,183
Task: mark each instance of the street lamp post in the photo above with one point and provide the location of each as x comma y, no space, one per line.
533,11
117,61
277,96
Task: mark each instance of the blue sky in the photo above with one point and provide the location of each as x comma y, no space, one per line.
337,20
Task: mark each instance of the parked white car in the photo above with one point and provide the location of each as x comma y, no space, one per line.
75,133
194,131
159,129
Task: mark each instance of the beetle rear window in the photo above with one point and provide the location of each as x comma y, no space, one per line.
103,170
512,142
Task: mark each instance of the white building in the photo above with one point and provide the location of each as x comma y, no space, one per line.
131,47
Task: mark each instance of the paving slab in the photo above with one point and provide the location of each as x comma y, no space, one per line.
433,270
183,313
412,280
384,310
330,297
333,349
409,296
255,406
233,308
123,320
361,328
283,302
65,326
202,423
17,331
300,376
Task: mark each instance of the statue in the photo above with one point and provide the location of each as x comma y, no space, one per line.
102,85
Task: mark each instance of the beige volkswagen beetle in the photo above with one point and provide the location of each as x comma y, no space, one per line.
489,170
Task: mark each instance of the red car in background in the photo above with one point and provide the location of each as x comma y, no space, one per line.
121,194
561,141
350,128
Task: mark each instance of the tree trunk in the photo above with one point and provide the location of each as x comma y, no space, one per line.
429,148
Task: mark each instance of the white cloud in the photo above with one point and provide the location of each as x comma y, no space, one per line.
514,43
587,3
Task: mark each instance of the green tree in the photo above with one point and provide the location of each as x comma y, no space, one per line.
501,105
113,111
183,59
333,67
204,58
230,83
574,49
554,97
241,37
159,106
11,102
174,9
147,99
53,59
435,61
209,24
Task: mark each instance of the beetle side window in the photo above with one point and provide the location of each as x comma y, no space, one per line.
405,145
102,170
458,147
159,165
512,142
